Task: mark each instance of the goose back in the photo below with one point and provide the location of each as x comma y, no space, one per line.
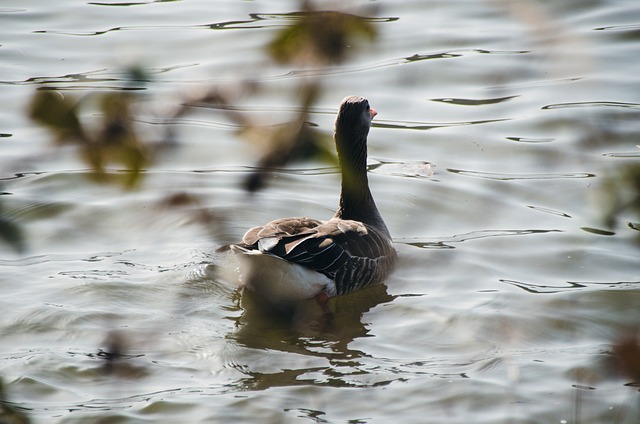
351,254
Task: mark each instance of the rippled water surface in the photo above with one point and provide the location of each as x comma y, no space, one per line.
500,128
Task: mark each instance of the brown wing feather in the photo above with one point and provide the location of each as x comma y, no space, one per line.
351,253
284,227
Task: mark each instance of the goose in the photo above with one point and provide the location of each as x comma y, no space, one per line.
292,259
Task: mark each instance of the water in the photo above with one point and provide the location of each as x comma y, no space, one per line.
500,128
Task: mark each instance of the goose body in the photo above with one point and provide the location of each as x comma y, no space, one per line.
292,259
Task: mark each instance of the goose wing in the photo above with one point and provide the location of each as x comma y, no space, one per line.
352,254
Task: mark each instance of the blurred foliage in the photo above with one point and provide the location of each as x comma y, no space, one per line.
10,232
9,414
626,356
621,196
112,142
315,38
99,126
275,145
319,37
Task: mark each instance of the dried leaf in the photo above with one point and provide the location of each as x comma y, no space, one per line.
57,112
323,37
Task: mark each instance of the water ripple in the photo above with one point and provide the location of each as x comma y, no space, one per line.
531,139
393,62
460,53
94,274
567,286
413,125
441,243
40,259
299,15
630,27
551,211
623,155
139,3
418,169
508,177
540,288
255,21
530,84
104,75
598,231
474,102
592,104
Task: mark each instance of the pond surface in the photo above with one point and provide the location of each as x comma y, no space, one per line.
501,129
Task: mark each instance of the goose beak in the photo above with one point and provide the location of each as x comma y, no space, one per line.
373,112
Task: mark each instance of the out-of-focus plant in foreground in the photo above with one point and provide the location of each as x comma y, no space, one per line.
319,37
316,38
9,414
113,142
10,232
620,196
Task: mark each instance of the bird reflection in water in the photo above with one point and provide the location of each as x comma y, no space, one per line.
309,330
